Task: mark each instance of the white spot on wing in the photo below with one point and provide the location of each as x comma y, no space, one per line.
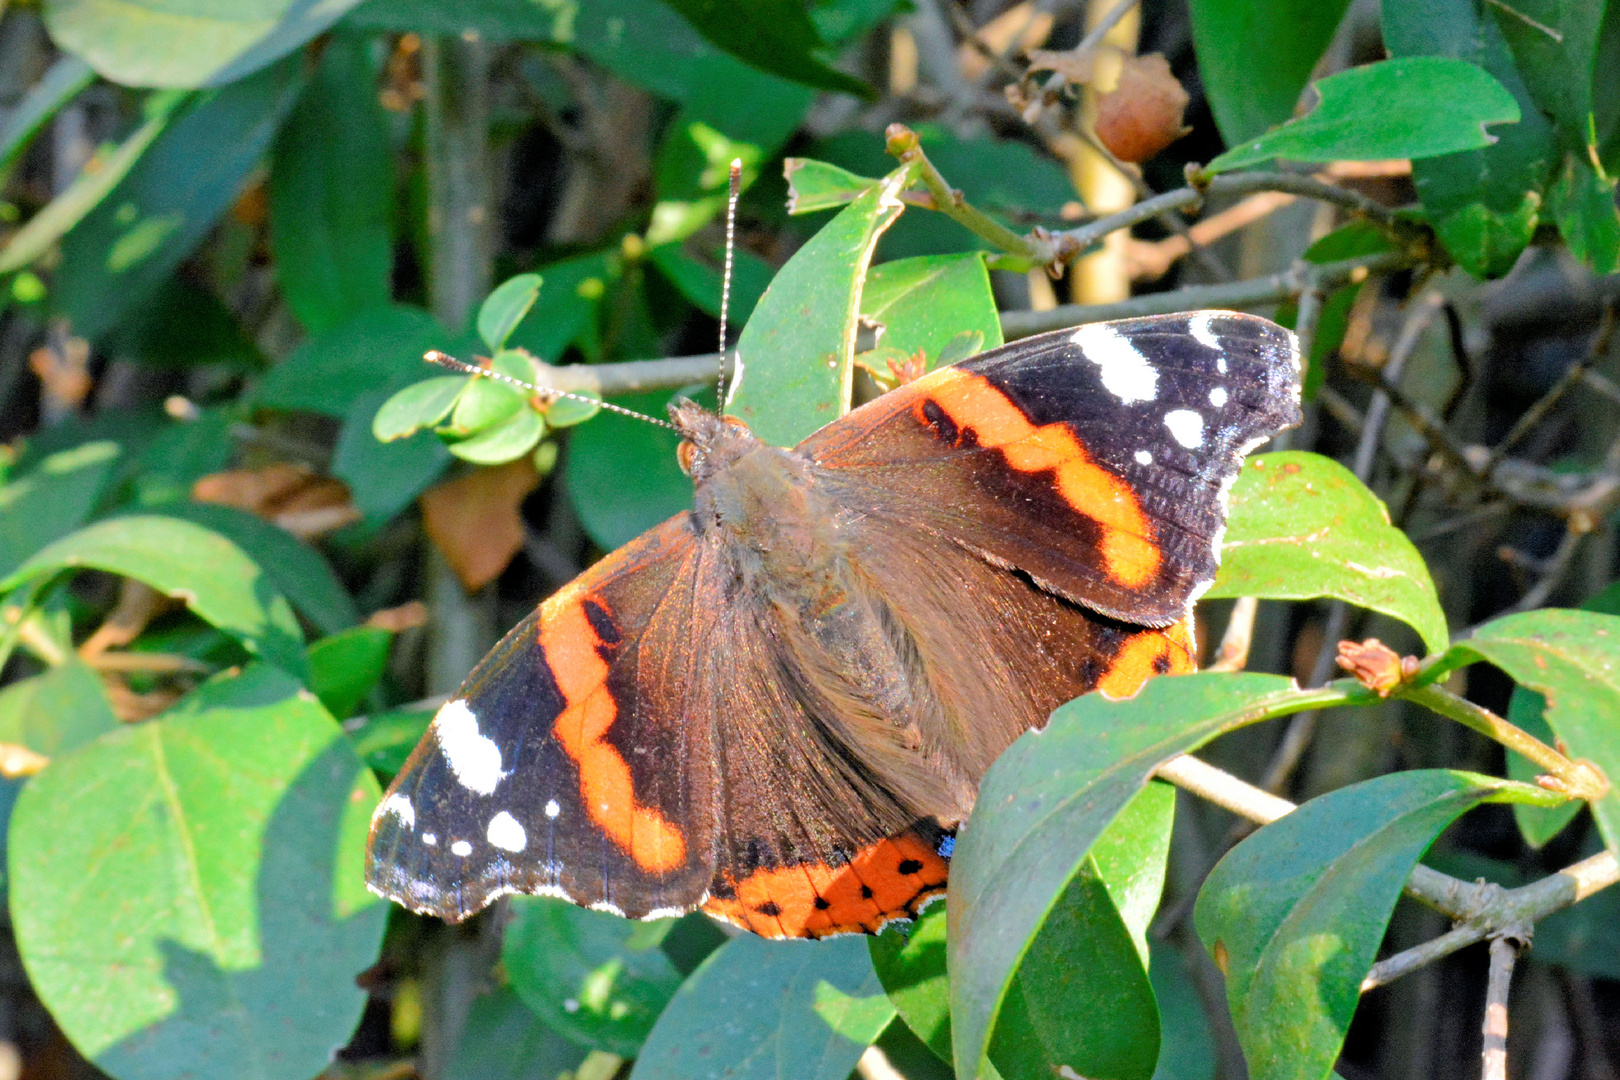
1198,326
505,833
400,806
607,906
430,839
1187,427
1126,373
473,757
1217,396
552,809
462,848
1144,457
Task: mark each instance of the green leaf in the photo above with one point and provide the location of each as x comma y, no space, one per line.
379,349
597,978
331,192
910,962
503,1040
56,711
1572,659
343,667
1187,1046
385,740
699,282
1538,824
180,324
130,243
794,359
1483,203
924,304
293,568
52,499
417,406
1302,525
1582,203
188,894
1295,913
207,43
1426,106
773,35
504,441
384,478
188,562
567,307
1041,809
504,308
1569,71
787,1008
89,188
62,82
1246,97
815,185
622,474
564,412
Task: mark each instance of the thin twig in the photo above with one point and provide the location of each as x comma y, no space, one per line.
1504,951
1224,790
1233,654
1552,571
1526,423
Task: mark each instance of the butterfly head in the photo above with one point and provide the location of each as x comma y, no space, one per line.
708,441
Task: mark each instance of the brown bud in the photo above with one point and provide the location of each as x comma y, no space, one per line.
1375,665
1143,114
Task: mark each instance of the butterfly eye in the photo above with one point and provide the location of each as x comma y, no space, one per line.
684,454
732,421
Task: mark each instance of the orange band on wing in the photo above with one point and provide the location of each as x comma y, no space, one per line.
571,646
1130,555
1152,652
891,879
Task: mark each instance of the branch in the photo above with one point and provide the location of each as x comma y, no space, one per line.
1504,951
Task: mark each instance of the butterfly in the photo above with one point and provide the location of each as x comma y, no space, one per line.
777,706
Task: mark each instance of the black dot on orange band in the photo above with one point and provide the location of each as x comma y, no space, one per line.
910,866
866,892
1161,664
770,908
822,903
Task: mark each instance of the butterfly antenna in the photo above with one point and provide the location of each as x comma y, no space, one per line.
725,279
444,360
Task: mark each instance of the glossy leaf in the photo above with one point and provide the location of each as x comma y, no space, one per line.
772,35
378,349
1302,525
816,185
52,499
1483,203
1539,824
568,411
1295,913
503,441
343,667
504,1040
910,962
599,979
791,1009
1247,98
794,364
1427,106
172,880
192,173
924,304
1572,659
384,478
1042,807
622,474
62,82
331,192
417,406
89,188
211,574
1570,71
504,308
210,43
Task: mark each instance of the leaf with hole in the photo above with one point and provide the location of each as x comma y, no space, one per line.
1302,525
190,563
1424,106
171,881
924,304
817,185
1295,913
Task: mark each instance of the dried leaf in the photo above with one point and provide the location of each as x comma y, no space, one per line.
291,496
1073,64
63,368
475,519
396,619
1143,113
